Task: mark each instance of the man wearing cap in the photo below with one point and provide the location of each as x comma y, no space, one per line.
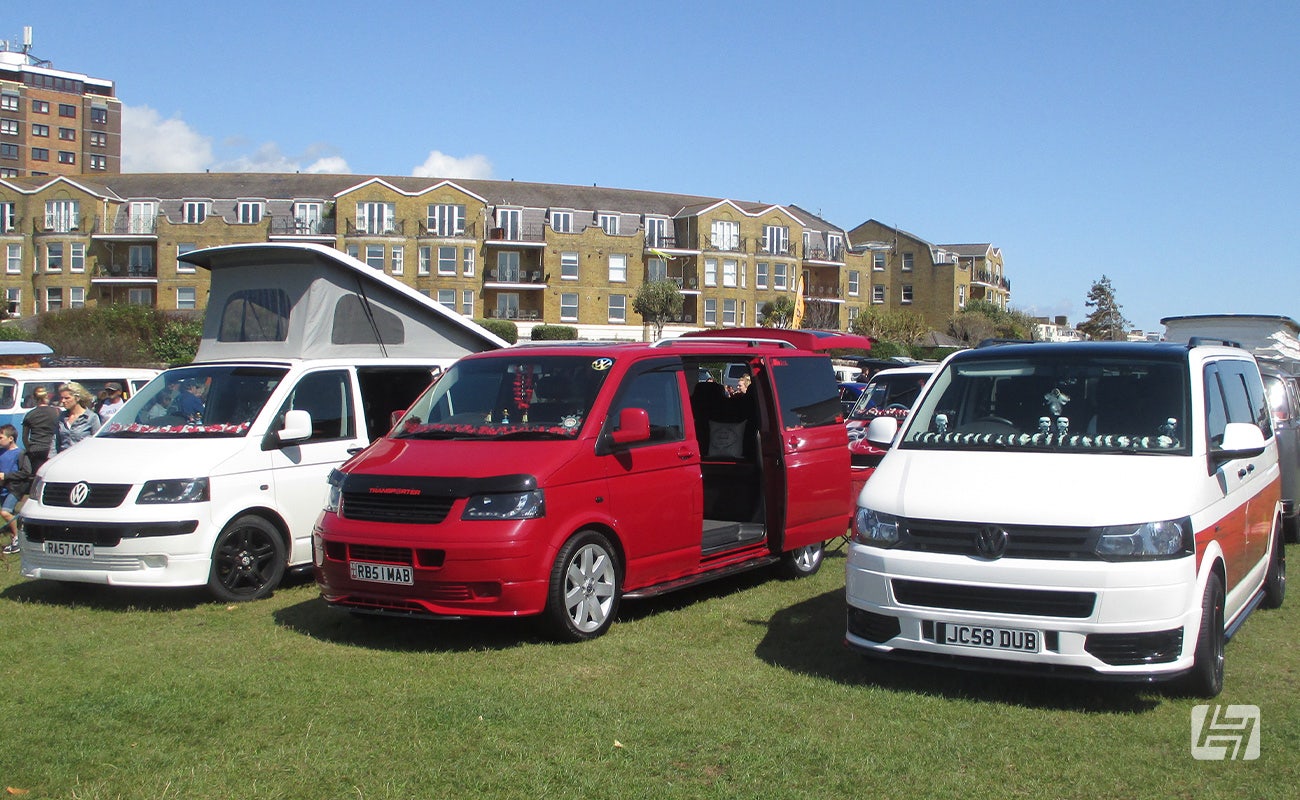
112,401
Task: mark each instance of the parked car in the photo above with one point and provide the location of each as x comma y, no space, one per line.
891,392
1093,509
560,479
1283,390
849,394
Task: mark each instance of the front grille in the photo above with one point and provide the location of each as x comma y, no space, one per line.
959,538
398,508
102,534
100,495
383,555
1125,649
872,627
1021,602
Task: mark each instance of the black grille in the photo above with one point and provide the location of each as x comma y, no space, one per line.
383,555
1022,541
1122,649
100,495
103,534
399,508
872,627
1026,602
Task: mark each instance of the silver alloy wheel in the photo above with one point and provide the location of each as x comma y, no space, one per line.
807,559
590,586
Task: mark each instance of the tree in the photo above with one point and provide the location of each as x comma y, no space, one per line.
1106,322
658,303
779,313
980,320
903,326
821,315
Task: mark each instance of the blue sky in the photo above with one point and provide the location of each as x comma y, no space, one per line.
1152,142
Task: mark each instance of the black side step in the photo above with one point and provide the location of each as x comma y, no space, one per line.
704,577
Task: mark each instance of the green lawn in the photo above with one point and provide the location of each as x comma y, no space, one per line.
738,689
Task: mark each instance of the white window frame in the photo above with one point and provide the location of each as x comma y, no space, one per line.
181,249
562,221
76,297
8,217
729,273
425,260
76,256
724,234
776,239
397,261
14,300
62,216
834,247
248,212
446,219
14,259
139,259
509,269
760,275
877,293
608,223
617,309
656,231
307,216
467,302
568,306
194,212
375,257
53,298
447,298
909,261
710,272
186,298
511,223
139,296
376,218
54,254
855,280
906,295
728,312
710,311
447,266
780,276
618,269
467,261
569,261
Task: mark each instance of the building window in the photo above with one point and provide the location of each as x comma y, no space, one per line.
608,223
961,296
14,301
907,262
878,262
776,239
376,218
446,261
8,217
425,261
99,162
618,308
877,293
656,270
53,298
375,257
729,313
10,102
8,172
710,272
854,278
724,235
140,259
568,266
467,303
906,295
729,272
67,110
398,262
186,298
447,298
779,276
834,246
14,259
354,251
54,257
9,151
98,114
11,127
181,249
853,316
40,107
194,211
40,154
66,157
66,134
508,266
249,212
98,139
77,257
760,276
617,268
446,219
140,297
77,297
656,232
562,221
710,312
467,260
568,307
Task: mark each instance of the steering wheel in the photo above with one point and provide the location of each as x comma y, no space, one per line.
901,407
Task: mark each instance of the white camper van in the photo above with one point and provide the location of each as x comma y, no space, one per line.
214,472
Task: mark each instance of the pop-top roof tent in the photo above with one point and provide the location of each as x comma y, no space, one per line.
803,338
1272,338
281,300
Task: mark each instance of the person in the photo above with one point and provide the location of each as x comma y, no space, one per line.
742,385
15,480
190,404
161,405
39,428
77,421
112,401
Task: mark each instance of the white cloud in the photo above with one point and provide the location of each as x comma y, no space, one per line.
441,165
153,144
269,158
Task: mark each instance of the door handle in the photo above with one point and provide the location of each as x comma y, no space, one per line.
352,451
685,454
1246,470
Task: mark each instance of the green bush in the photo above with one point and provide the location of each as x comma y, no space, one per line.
554,333
120,335
501,327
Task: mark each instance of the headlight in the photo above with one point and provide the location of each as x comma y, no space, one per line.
1150,540
180,490
875,529
335,497
38,486
516,505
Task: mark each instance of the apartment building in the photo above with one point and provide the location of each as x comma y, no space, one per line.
55,122
530,252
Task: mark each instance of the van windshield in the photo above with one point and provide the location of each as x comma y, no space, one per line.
1064,404
892,393
516,397
197,401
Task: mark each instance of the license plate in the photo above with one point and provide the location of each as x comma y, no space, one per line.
78,550
987,638
381,573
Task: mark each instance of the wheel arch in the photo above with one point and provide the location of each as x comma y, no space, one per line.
273,518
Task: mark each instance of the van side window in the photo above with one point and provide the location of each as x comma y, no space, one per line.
327,396
808,392
1233,394
255,315
659,393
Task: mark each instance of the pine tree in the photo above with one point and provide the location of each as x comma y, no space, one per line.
1106,323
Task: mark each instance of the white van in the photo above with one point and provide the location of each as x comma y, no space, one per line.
214,473
18,383
1107,510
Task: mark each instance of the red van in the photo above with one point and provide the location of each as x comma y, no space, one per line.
558,479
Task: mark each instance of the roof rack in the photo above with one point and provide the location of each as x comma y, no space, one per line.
747,341
1204,340
996,342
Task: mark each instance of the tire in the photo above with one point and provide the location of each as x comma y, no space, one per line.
1275,580
585,587
248,560
1206,677
803,562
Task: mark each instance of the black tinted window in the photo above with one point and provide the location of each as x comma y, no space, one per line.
807,391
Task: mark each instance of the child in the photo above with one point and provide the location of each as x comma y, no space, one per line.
15,480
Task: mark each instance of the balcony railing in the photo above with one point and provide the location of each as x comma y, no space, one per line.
125,225
75,224
394,227
823,254
521,233
514,313
292,226
664,241
431,231
736,245
127,271
993,279
515,276
776,248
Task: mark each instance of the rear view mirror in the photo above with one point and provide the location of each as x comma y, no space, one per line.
297,427
881,431
1240,440
633,426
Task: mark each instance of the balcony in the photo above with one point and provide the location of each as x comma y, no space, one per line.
777,249
429,230
992,279
534,279
734,245
522,234
527,314
125,273
393,227
124,226
292,226
65,225
818,253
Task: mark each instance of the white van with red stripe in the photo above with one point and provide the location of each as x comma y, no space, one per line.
1104,510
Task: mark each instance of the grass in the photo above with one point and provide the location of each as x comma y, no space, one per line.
740,689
